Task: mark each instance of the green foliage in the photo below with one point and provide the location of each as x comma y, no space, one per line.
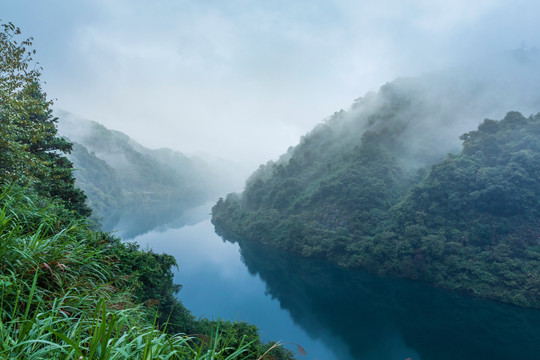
236,335
479,211
150,278
42,243
30,151
50,264
468,224
326,196
98,181
67,292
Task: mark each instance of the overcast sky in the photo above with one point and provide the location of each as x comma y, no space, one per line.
244,79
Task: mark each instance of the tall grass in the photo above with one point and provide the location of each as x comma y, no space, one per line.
62,297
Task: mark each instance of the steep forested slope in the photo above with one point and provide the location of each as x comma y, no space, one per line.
474,222
121,176
369,188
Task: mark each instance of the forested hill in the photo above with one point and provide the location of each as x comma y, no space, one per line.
373,187
118,175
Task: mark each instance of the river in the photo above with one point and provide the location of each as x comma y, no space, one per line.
330,312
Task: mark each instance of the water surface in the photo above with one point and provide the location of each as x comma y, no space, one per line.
335,313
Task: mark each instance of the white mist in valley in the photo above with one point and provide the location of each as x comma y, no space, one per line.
244,80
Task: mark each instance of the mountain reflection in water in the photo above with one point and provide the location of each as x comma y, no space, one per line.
129,223
334,313
368,314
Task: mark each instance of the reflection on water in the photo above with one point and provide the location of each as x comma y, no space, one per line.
216,284
336,314
131,222
375,316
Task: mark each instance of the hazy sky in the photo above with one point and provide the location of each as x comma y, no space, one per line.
244,79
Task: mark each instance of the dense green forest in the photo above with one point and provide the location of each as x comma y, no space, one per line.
374,188
67,291
122,178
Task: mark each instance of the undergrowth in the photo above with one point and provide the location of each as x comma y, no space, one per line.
63,297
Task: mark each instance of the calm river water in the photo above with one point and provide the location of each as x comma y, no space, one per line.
331,312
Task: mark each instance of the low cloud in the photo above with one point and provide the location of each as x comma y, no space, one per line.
245,79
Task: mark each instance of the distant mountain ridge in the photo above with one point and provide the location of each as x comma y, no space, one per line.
365,187
121,177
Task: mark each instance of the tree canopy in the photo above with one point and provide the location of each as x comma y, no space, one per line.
31,152
347,193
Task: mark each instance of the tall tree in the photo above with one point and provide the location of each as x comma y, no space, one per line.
31,153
